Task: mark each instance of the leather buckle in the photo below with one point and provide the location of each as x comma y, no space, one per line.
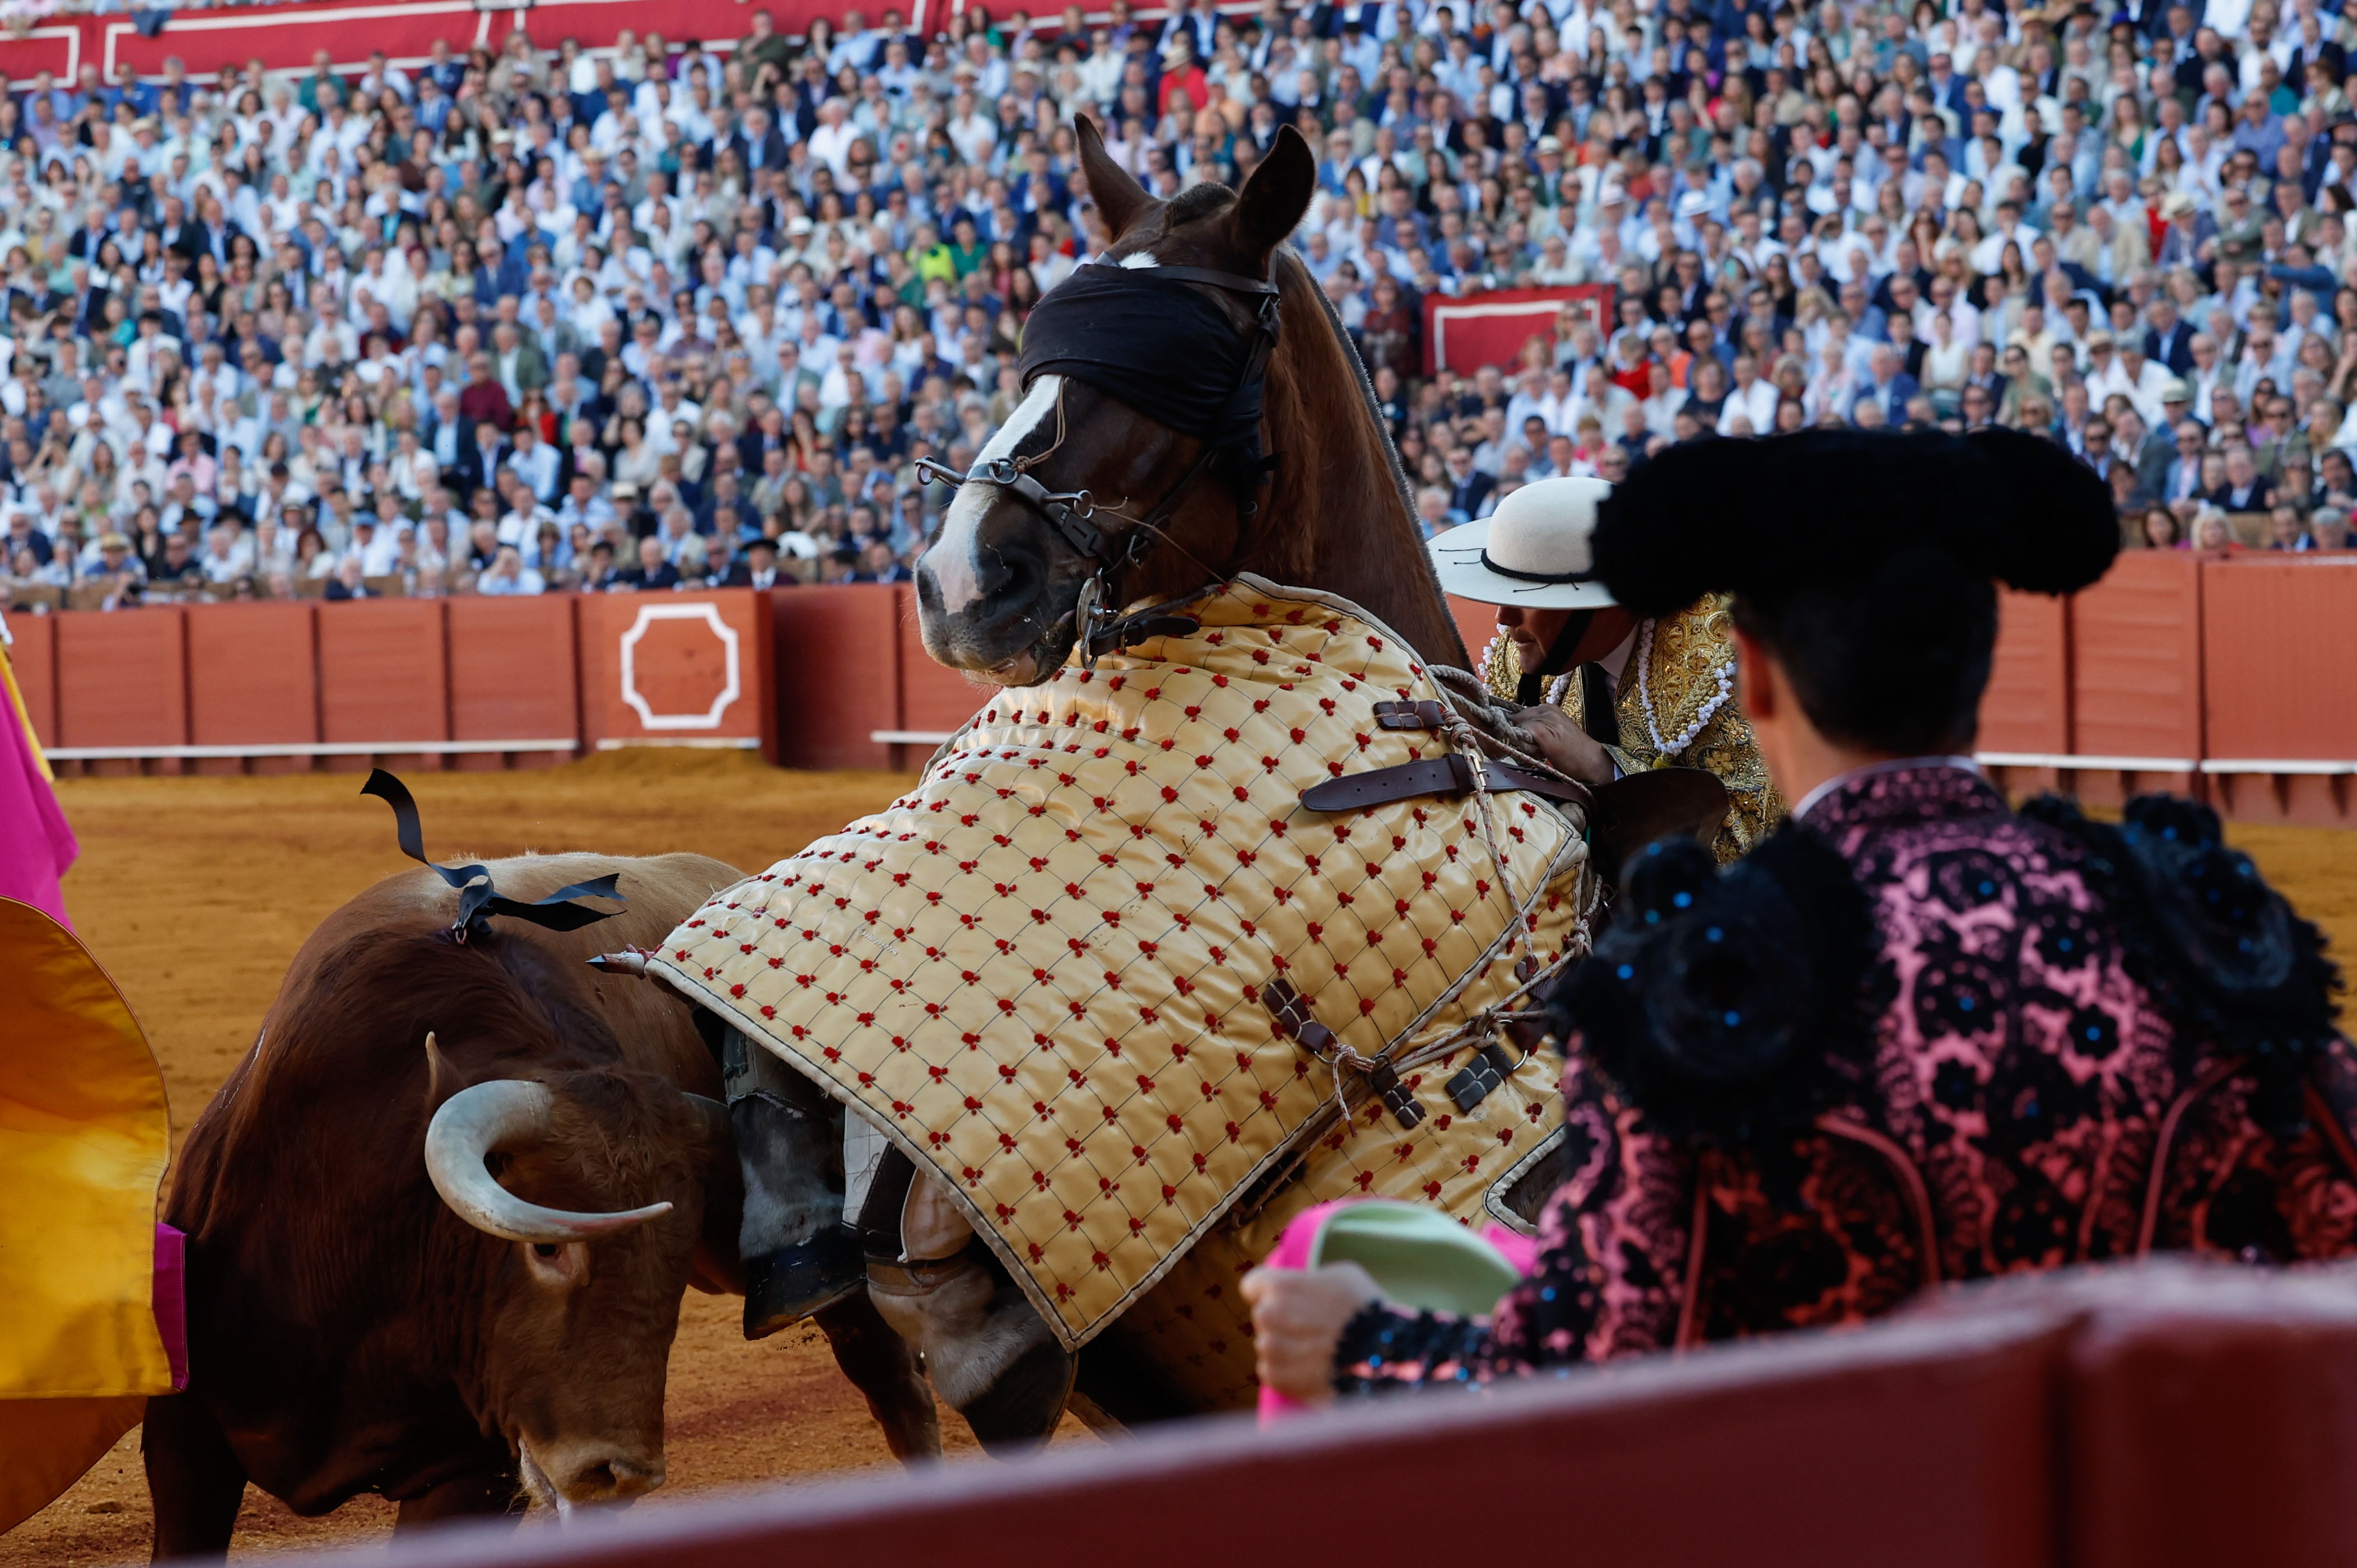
1424,716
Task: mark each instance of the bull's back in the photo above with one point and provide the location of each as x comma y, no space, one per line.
316,1028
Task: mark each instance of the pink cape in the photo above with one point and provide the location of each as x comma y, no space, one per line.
35,844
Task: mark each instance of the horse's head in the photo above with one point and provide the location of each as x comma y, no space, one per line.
999,589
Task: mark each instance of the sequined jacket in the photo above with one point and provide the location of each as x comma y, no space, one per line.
2010,1061
1675,706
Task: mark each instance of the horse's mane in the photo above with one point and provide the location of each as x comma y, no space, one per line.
1292,260
1358,537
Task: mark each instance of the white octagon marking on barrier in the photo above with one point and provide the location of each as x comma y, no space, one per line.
709,719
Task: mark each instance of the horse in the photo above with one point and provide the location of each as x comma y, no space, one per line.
997,592
1080,524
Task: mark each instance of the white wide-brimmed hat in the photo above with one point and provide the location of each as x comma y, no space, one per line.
1532,552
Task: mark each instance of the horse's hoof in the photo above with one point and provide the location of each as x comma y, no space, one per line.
789,1285
1017,1412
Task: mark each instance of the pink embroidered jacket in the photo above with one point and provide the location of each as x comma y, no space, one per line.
2022,1099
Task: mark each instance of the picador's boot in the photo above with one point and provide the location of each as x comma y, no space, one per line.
799,1256
988,1353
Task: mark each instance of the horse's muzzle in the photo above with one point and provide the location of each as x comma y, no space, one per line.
1003,613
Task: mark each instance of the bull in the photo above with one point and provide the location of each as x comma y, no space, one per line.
441,1217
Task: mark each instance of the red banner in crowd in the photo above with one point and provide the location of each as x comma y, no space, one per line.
1468,331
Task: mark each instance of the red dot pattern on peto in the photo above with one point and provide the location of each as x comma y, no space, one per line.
1044,967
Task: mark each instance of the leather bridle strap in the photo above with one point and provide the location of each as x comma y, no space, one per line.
1070,512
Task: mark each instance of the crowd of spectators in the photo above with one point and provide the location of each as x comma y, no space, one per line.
523,318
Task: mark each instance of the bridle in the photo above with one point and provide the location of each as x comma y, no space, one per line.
1073,513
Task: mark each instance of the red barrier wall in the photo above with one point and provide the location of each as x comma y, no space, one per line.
2136,672
2165,1414
514,675
123,680
838,652
692,668
253,680
34,657
2281,680
384,676
2027,707
933,698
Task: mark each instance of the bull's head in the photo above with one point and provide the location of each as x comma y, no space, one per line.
597,1179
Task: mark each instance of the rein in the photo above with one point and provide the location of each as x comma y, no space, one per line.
1073,513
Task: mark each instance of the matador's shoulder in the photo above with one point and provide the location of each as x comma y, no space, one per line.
1687,673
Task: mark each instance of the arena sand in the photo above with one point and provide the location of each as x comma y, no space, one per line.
196,892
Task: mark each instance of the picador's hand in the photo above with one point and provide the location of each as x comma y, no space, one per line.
1564,743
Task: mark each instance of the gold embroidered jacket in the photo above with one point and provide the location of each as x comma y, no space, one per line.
1677,706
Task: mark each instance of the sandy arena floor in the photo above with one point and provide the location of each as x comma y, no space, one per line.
196,892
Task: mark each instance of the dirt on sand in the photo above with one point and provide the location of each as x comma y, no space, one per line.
196,892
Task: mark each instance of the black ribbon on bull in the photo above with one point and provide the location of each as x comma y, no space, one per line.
478,899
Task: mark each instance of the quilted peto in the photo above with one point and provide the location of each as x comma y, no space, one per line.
1042,971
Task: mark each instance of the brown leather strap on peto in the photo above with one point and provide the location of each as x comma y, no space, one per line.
1450,774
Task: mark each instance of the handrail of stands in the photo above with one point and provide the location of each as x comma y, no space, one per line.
2157,1414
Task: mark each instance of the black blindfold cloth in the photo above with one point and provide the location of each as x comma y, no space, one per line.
1165,349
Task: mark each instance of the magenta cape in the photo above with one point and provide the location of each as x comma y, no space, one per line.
35,844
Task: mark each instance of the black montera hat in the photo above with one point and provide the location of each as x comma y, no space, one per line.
1821,509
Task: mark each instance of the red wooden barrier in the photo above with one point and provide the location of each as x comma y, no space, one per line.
838,653
34,655
514,675
2162,1416
383,677
693,668
2025,712
934,699
2135,675
2280,685
122,681
254,681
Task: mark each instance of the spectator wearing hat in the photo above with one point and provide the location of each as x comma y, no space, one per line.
760,567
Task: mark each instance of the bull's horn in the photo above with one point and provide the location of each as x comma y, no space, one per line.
464,1133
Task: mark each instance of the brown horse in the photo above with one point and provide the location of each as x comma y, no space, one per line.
998,590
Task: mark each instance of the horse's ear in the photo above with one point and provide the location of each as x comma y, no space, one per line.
1118,196
1277,194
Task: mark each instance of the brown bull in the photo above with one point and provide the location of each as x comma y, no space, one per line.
441,1216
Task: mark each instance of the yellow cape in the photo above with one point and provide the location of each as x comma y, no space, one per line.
84,1136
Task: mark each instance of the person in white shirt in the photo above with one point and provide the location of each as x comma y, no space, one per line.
509,575
229,554
1748,399
830,143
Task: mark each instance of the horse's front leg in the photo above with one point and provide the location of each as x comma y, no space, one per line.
989,1354
885,1369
